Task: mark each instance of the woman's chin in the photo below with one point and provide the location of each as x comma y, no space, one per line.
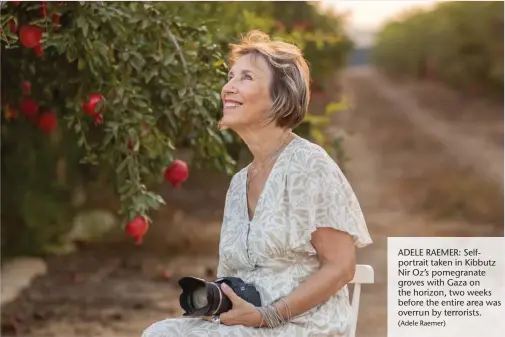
231,122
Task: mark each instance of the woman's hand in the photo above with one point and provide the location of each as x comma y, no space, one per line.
242,312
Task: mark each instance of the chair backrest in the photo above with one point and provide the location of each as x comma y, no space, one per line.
364,275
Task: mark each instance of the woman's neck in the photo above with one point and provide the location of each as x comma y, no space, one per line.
264,142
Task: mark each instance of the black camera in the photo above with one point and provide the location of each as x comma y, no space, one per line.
201,298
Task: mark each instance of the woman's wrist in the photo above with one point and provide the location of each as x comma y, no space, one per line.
258,319
275,314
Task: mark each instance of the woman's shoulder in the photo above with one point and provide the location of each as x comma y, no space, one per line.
309,156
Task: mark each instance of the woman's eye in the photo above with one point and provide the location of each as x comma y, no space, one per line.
247,77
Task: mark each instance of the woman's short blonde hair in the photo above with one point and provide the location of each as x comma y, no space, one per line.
290,87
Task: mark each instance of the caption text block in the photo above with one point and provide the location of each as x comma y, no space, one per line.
446,287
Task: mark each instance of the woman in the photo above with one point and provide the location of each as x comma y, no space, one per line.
291,220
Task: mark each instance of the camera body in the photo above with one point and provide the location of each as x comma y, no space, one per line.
202,298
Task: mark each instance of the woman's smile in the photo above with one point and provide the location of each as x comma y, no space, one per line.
230,104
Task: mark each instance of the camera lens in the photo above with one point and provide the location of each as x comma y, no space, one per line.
199,298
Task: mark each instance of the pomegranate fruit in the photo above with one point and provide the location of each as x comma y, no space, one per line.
29,108
13,26
177,173
98,119
48,122
30,35
90,105
167,274
26,87
55,18
43,9
137,228
38,50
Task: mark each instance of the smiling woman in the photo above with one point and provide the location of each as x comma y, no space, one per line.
291,220
267,76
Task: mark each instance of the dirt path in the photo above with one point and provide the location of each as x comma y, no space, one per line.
393,143
406,181
468,148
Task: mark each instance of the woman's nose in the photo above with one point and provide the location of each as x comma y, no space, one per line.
229,88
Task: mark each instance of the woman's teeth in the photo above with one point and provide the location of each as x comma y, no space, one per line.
231,105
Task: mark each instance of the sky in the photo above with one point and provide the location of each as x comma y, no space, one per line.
371,14
366,17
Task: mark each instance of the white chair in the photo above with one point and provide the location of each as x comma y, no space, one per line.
364,275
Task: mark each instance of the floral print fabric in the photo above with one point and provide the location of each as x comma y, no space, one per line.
305,190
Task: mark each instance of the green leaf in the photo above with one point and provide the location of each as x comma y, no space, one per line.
82,23
169,59
150,74
123,164
81,64
137,61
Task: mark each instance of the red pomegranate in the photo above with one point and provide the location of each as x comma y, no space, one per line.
177,173
48,122
137,228
90,105
43,9
98,119
30,35
38,50
29,108
55,18
26,87
13,26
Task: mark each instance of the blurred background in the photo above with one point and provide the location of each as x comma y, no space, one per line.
99,98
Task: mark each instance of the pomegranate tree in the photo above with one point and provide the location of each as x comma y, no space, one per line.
125,90
119,86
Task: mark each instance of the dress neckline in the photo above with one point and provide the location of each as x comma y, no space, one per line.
259,203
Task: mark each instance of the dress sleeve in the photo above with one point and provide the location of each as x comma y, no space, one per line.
321,196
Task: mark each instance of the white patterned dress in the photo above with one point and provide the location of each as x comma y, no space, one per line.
305,190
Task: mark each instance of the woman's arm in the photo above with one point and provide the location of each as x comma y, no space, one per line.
336,252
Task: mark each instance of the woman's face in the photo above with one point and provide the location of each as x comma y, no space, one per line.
246,96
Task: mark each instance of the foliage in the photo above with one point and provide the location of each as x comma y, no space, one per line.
159,66
460,43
